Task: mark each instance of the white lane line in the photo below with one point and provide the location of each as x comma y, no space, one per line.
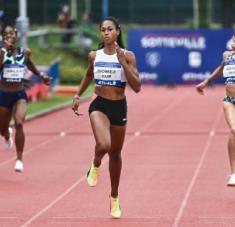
66,192
8,218
61,196
198,168
40,145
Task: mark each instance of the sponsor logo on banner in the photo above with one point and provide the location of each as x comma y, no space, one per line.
152,59
192,76
194,59
178,56
148,76
173,41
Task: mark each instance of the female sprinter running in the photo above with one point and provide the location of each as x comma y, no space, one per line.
227,69
13,63
111,66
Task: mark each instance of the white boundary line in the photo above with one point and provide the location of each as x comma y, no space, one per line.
42,144
214,218
40,114
3,218
31,149
61,196
198,168
66,192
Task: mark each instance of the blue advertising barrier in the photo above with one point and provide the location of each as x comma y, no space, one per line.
178,56
35,88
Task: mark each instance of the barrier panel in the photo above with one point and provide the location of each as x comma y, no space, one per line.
36,89
178,56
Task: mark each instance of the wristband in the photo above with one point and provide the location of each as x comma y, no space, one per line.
76,96
42,74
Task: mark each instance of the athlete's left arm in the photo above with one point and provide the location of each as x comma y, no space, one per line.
29,63
128,62
131,72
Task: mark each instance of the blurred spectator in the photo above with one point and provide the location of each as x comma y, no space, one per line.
86,26
66,22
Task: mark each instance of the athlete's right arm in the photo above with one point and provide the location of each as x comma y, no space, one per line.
88,77
214,75
86,80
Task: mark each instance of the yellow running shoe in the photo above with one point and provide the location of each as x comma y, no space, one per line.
92,175
115,209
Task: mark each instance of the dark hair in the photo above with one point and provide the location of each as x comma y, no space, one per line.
8,25
118,27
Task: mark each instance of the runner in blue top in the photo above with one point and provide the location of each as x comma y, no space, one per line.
111,66
227,69
13,64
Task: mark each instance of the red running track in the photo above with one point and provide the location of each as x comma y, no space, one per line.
175,167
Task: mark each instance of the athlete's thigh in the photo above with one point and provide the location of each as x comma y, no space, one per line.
5,117
19,111
117,137
101,127
229,111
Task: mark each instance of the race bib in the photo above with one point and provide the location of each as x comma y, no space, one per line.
107,71
108,74
13,73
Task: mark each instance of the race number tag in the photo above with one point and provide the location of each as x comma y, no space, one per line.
108,74
229,71
13,73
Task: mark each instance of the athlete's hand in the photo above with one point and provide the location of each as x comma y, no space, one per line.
46,79
200,87
233,43
233,46
75,105
120,54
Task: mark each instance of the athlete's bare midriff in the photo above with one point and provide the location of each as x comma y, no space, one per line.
109,92
230,90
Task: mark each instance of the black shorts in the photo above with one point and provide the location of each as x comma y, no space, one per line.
115,110
229,99
9,98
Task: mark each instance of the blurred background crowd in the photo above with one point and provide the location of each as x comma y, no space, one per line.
64,31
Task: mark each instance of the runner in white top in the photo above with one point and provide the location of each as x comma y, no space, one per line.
227,69
112,67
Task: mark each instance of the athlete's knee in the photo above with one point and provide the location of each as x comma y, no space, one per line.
103,147
19,124
115,156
